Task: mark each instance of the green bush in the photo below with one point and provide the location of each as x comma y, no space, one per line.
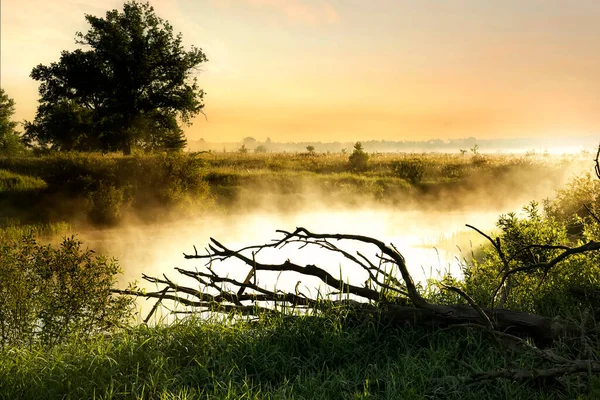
51,294
538,291
569,203
105,204
411,170
359,159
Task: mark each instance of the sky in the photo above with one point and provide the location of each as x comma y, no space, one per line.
347,70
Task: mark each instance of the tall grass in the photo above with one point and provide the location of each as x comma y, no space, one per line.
105,188
311,357
13,230
11,182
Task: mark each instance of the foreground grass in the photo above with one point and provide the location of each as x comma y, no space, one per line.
308,357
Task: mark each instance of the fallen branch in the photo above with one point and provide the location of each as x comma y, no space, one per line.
395,299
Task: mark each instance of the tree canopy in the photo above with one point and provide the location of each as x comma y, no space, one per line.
130,85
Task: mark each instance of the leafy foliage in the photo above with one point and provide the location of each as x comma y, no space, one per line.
10,142
129,87
48,294
539,291
570,202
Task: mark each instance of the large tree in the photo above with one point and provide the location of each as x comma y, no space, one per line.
131,84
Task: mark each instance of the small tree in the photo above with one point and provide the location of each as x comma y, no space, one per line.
243,149
359,159
310,149
260,149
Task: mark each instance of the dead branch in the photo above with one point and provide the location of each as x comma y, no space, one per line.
389,286
547,266
573,367
506,283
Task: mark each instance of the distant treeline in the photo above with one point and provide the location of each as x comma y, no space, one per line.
467,145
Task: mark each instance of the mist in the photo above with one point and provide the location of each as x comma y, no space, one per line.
427,227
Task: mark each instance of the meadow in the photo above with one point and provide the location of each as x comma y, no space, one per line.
105,189
62,340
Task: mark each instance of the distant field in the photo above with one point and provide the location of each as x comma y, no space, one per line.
102,189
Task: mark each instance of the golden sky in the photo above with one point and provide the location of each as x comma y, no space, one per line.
328,70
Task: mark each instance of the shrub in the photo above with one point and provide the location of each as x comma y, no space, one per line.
105,204
50,294
538,291
359,159
411,170
568,205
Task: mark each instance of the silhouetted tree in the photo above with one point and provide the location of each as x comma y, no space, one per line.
132,85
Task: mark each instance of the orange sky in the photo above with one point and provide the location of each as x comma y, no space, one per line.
348,70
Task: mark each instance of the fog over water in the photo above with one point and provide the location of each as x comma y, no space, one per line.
156,249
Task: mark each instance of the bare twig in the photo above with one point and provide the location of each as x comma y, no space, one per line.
547,266
155,306
484,317
506,268
597,167
592,213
